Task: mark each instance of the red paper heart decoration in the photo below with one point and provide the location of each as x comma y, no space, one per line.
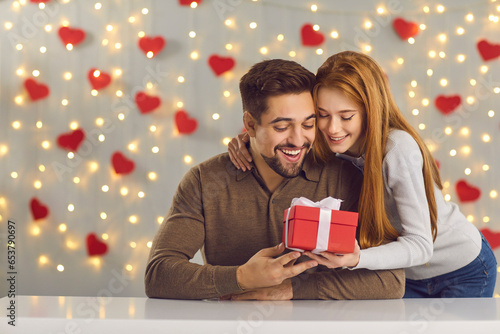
146,103
151,44
188,2
310,37
121,164
38,209
184,123
35,90
405,29
220,64
39,1
492,237
95,246
71,141
487,50
467,192
102,80
71,36
447,104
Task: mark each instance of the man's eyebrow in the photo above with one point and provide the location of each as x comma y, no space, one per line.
281,119
287,119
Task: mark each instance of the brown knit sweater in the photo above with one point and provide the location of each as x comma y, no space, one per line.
230,215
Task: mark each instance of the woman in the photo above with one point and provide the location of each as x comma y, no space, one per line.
404,220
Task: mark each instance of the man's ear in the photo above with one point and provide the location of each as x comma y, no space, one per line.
250,123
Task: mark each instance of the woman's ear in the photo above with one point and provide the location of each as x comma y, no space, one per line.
249,122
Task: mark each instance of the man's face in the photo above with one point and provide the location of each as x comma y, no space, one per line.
285,133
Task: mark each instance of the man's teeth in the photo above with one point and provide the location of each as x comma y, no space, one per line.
337,139
291,152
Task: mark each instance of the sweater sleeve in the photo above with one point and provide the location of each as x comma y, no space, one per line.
349,284
404,182
169,274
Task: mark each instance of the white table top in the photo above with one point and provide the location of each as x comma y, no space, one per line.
52,314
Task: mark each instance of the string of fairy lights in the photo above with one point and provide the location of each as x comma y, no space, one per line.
421,100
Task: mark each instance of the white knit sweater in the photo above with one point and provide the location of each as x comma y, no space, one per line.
458,241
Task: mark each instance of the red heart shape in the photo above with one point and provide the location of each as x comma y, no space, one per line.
492,237
310,37
35,90
220,64
71,36
151,44
188,2
184,123
98,82
39,1
38,209
447,104
467,192
72,140
95,246
405,29
121,164
487,50
146,103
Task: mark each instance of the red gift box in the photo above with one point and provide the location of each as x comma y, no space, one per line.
303,223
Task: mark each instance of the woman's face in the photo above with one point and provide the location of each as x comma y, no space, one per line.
341,121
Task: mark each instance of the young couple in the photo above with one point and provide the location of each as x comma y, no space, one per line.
235,216
404,220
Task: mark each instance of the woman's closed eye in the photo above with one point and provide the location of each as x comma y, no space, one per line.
348,118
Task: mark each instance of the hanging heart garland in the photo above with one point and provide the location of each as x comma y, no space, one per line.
405,29
36,91
311,37
447,104
71,36
185,124
487,50
146,103
71,141
220,65
188,2
467,192
38,209
95,246
121,164
151,46
98,79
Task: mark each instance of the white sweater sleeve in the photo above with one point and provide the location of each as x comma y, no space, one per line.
406,207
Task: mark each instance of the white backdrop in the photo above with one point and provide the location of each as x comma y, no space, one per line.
83,195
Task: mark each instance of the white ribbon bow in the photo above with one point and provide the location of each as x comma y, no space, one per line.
326,206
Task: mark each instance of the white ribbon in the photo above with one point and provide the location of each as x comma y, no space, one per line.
326,206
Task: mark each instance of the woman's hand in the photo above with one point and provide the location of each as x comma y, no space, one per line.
332,260
238,152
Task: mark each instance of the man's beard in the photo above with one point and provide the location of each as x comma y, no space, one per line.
275,164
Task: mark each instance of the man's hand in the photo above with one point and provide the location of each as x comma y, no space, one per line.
332,260
282,291
263,270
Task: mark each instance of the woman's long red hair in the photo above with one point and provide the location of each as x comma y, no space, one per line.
363,81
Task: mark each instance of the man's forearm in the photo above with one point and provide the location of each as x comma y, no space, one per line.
350,284
175,278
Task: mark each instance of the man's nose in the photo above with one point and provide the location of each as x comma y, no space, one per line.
297,137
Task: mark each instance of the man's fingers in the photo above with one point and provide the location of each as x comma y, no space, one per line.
299,268
287,258
272,251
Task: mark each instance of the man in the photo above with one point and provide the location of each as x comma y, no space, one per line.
236,216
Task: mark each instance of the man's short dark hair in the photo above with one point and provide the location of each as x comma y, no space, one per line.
273,78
